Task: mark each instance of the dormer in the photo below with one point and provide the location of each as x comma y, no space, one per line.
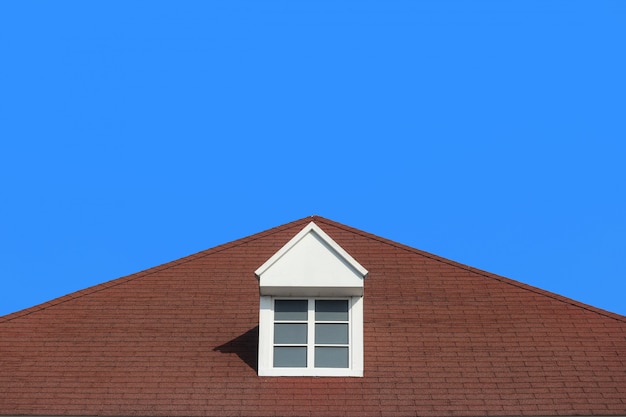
311,309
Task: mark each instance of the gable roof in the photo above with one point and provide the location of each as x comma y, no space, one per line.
440,338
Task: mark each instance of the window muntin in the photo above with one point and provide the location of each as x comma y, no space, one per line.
315,337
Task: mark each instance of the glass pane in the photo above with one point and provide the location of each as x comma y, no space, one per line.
291,309
331,357
288,333
333,334
289,357
331,310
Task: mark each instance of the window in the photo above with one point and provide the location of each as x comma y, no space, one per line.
311,336
311,333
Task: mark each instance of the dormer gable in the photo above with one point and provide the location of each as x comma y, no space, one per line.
311,264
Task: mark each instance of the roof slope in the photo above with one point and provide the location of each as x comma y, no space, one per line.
440,338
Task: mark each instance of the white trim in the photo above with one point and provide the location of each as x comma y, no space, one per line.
312,227
305,292
266,334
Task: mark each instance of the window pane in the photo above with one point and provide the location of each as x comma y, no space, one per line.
331,310
331,357
288,333
289,357
331,334
291,309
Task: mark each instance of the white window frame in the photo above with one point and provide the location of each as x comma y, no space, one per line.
266,340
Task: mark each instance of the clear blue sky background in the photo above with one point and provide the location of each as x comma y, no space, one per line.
488,132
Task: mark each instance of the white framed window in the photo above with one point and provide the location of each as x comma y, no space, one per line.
311,336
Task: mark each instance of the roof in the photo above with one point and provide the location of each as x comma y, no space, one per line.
440,338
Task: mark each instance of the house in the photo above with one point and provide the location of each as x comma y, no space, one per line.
313,318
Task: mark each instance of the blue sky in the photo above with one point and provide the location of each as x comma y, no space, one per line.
488,132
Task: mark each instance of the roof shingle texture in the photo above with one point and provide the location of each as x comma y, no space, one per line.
440,339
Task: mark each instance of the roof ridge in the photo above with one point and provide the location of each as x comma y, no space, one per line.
486,274
137,275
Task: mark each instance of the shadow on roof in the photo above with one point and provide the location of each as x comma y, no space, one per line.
245,346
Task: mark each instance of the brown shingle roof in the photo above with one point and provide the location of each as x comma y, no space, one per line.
441,338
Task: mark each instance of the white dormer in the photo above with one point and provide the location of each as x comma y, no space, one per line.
311,309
